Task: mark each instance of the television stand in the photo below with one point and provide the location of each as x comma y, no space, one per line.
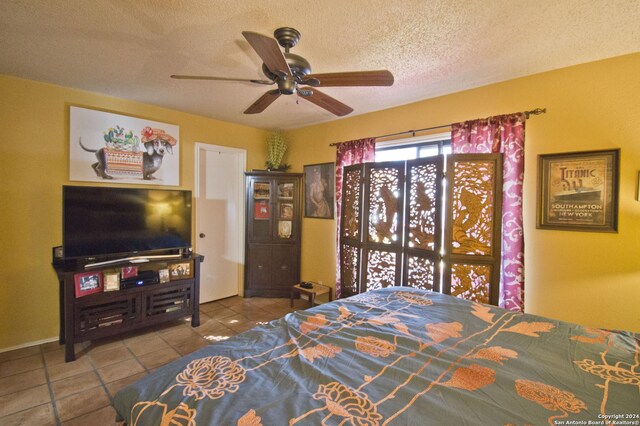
110,313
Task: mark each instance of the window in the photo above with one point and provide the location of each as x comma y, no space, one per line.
412,148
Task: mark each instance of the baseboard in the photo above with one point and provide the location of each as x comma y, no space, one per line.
29,344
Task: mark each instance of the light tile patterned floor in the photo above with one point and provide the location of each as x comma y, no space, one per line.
38,388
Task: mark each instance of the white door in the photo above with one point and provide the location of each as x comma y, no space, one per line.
219,201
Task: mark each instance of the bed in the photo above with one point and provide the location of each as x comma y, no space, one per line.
397,356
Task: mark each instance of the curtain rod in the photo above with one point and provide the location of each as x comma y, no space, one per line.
527,114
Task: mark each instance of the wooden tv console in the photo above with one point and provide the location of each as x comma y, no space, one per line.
110,313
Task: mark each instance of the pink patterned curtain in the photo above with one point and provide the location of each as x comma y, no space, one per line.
502,134
347,154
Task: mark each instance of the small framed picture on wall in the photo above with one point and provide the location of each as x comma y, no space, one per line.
319,190
578,191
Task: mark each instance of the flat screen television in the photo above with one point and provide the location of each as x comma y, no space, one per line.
105,222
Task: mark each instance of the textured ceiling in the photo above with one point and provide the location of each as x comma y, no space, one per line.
128,48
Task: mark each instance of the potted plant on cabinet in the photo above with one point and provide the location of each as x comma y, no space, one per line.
276,148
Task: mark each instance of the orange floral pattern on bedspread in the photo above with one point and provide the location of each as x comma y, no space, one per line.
442,331
496,354
374,346
613,373
210,377
354,406
416,299
550,397
250,419
471,378
313,323
182,415
320,351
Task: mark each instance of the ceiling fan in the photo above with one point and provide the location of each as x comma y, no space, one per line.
290,71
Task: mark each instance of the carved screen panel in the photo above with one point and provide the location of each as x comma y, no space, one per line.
471,282
473,208
350,269
384,205
473,227
351,201
423,198
423,223
381,269
420,273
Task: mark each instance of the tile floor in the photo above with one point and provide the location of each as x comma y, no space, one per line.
38,388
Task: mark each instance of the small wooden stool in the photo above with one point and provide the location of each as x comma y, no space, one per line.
316,290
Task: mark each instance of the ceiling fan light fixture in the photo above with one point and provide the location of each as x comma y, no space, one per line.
287,86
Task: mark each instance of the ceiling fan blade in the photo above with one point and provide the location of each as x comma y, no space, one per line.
356,78
205,77
332,105
269,51
263,102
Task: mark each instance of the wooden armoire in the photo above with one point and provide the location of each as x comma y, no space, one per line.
272,234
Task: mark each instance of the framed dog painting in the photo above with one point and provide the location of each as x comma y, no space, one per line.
113,148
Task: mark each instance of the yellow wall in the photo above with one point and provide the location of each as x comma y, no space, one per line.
34,164
583,277
589,278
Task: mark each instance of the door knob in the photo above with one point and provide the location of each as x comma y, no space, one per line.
202,235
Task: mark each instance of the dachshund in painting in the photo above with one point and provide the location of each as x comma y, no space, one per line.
155,151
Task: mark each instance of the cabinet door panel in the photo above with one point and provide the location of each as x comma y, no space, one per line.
284,272
259,265
94,315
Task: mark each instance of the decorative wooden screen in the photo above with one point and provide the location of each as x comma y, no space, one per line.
473,229
392,226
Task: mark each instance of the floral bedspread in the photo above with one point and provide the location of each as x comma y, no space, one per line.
398,356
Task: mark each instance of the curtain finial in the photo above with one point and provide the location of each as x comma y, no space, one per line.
536,111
